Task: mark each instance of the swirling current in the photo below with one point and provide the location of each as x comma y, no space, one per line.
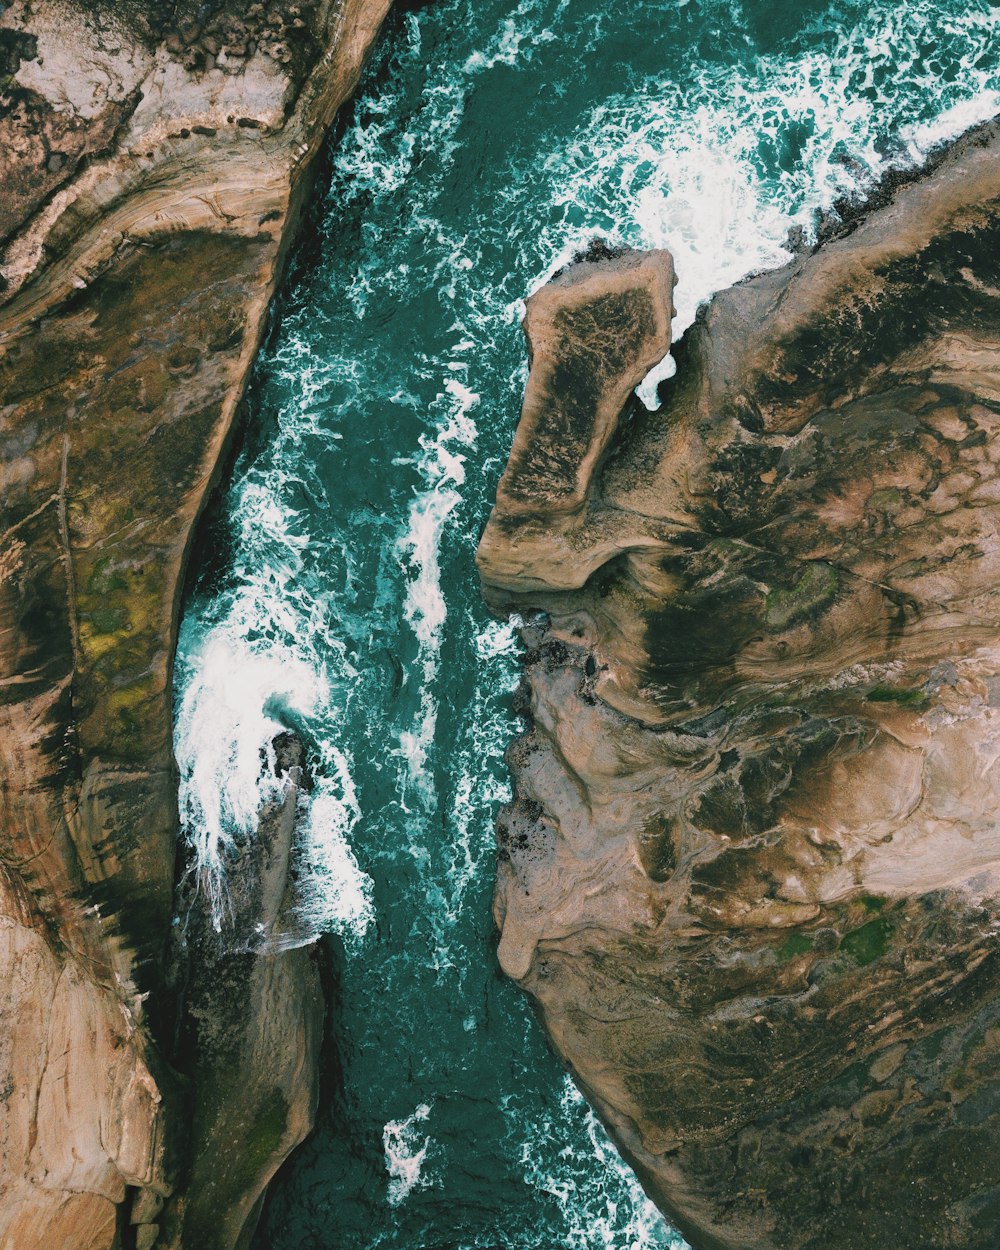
489,140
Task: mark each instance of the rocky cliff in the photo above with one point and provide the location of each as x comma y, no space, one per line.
751,875
153,158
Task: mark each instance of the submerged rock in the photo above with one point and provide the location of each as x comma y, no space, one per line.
751,876
153,159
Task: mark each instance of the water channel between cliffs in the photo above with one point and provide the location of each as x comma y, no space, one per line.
488,142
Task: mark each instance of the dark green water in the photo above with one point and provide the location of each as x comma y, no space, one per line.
489,141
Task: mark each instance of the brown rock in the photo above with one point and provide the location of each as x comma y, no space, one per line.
135,285
751,877
593,332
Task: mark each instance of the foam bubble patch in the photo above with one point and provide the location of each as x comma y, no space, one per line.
406,1146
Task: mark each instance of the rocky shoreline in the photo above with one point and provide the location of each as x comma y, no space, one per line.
154,160
749,877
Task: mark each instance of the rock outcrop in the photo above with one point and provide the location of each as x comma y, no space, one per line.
153,160
594,332
751,874
252,1027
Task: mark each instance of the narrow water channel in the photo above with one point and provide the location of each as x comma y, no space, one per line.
488,142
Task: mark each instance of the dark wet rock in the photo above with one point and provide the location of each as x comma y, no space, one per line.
251,1027
762,933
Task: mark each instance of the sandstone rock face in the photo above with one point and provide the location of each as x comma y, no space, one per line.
751,875
152,160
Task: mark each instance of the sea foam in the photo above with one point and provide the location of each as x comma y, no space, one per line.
720,169
442,471
570,1157
405,1147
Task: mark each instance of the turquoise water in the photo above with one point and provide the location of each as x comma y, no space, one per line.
488,142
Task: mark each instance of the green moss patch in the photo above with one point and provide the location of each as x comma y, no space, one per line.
263,1142
814,591
105,578
868,943
108,620
892,694
794,944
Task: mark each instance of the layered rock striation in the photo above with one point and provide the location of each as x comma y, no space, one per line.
751,874
153,159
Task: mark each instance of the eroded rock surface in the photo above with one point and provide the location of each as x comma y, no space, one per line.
594,332
152,161
751,876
